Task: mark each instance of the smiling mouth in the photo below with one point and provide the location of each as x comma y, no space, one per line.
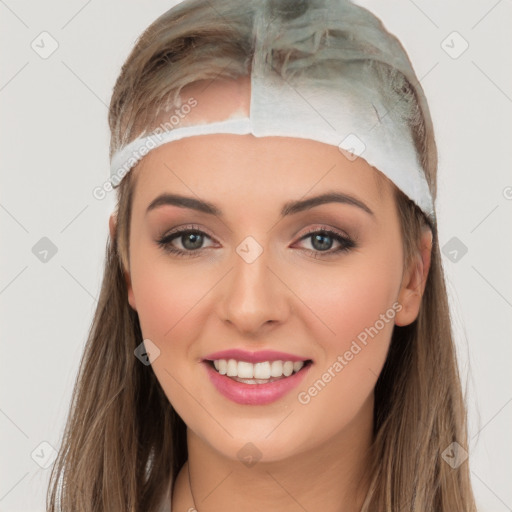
257,373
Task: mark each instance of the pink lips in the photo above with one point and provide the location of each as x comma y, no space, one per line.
254,394
254,357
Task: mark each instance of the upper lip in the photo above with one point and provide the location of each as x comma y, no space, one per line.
254,357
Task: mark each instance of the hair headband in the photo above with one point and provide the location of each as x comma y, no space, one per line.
335,94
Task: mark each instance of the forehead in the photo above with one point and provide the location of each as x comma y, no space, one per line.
238,168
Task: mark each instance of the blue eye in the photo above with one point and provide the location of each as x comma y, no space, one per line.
192,240
322,241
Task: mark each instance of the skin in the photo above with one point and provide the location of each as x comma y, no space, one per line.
312,455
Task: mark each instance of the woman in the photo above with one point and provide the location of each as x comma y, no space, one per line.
273,329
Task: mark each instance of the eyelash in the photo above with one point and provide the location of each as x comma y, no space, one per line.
346,243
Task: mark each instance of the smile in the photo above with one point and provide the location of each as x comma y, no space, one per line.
255,383
263,371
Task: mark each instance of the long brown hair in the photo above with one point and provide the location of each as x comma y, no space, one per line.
123,442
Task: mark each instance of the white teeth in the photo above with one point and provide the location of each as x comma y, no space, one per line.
276,368
297,365
245,370
264,370
232,369
223,366
288,368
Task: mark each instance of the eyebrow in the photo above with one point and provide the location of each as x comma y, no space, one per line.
289,208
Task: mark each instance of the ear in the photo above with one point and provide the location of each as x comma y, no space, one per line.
112,225
414,281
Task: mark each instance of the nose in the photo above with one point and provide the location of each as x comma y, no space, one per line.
254,296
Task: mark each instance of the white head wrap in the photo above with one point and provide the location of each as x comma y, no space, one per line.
333,91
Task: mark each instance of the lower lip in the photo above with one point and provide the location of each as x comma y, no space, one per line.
255,394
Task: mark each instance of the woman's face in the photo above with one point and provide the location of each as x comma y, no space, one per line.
262,274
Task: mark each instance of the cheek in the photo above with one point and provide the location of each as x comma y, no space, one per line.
357,308
169,299
343,301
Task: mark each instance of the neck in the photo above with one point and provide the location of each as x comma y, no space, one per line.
331,478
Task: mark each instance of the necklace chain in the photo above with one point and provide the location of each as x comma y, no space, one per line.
190,487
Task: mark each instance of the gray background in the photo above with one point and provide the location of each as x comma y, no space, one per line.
54,151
